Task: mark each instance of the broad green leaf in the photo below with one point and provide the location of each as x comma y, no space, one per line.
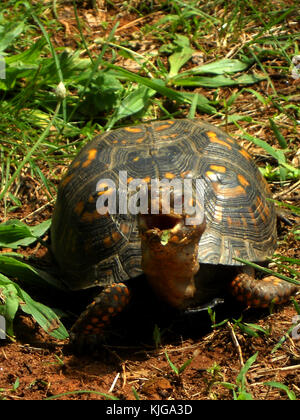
249,79
243,396
44,316
238,117
155,84
8,33
40,229
29,56
15,268
216,81
101,94
14,233
164,239
10,305
16,297
220,67
182,54
132,103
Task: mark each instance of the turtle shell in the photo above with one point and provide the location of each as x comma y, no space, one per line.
98,249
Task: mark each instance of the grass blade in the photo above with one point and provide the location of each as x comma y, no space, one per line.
289,393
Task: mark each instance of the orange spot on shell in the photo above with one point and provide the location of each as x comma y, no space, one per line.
210,174
164,126
227,191
75,164
218,168
124,228
116,236
79,208
133,129
66,180
95,320
90,216
242,180
215,139
107,242
169,175
92,153
170,136
245,154
86,163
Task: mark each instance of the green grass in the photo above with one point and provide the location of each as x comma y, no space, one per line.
242,80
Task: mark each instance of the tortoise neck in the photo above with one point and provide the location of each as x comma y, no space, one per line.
170,261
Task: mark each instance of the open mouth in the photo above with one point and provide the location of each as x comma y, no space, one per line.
159,221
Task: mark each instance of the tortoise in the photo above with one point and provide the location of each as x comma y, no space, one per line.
97,241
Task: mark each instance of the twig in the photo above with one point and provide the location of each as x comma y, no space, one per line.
236,343
114,382
279,369
38,210
288,190
124,375
139,20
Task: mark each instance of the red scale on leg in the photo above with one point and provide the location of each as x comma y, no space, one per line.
109,303
261,293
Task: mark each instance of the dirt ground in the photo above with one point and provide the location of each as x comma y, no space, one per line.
35,366
38,367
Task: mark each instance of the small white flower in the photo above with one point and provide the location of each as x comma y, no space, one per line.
61,91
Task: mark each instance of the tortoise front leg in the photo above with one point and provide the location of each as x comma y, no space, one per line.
260,293
87,331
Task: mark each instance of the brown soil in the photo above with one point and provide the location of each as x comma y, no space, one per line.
45,367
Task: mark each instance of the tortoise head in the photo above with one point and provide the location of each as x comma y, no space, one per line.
170,255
